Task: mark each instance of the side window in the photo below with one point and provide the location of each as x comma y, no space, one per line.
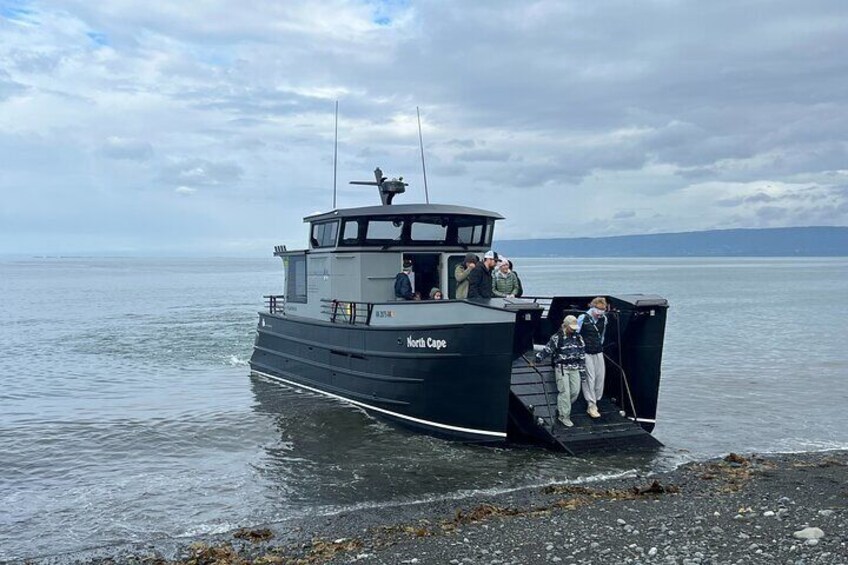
324,234
317,234
471,235
331,230
488,233
296,278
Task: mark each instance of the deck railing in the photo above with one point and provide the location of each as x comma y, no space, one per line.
344,312
275,303
543,301
349,312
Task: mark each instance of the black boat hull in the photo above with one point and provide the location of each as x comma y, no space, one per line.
460,391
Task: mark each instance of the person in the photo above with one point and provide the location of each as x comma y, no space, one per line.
566,350
416,295
403,286
520,285
461,275
435,293
591,326
480,279
505,282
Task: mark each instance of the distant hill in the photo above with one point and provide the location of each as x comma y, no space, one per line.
771,242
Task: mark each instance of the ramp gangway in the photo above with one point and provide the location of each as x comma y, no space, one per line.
533,398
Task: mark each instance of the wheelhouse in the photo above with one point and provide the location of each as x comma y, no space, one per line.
355,253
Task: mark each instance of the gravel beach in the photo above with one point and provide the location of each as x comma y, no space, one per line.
789,509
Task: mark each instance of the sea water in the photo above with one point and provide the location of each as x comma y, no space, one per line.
127,410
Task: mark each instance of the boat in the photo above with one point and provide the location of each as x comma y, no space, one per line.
458,369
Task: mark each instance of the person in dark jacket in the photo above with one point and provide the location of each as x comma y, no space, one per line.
480,279
592,326
403,286
566,350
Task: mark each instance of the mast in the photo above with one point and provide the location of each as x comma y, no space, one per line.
421,145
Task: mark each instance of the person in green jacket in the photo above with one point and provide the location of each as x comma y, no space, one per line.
461,275
505,283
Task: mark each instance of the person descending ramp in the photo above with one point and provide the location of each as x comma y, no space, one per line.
533,404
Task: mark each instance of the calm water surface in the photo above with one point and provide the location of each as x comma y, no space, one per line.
127,412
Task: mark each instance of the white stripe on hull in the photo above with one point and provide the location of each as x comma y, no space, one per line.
645,420
384,411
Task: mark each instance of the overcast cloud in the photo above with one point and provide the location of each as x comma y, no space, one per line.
207,127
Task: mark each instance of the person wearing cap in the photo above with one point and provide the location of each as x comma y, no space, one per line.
566,350
480,279
403,284
505,282
435,293
592,326
461,275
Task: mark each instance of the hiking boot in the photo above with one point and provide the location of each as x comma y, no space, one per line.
566,422
593,411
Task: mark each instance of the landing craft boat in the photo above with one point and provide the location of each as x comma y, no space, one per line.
453,368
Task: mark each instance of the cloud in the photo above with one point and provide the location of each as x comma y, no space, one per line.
621,118
201,173
129,149
8,87
479,155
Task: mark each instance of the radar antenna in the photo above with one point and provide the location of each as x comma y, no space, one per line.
388,188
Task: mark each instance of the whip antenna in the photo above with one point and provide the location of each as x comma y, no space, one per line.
335,153
421,144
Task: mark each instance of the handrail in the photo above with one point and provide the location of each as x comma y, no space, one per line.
544,301
544,389
348,312
624,378
626,384
276,303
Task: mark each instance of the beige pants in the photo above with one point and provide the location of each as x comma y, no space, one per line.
568,385
593,386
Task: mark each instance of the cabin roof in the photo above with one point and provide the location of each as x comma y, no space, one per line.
403,210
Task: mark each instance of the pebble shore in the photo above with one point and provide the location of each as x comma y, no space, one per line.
790,509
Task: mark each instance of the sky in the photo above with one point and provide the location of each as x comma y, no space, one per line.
169,128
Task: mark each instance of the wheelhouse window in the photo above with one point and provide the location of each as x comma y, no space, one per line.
324,234
383,231
416,230
295,268
350,234
429,231
475,232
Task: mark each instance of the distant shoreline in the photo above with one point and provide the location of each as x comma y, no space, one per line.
816,241
716,511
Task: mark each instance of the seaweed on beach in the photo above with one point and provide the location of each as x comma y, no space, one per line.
223,554
733,472
254,536
613,494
